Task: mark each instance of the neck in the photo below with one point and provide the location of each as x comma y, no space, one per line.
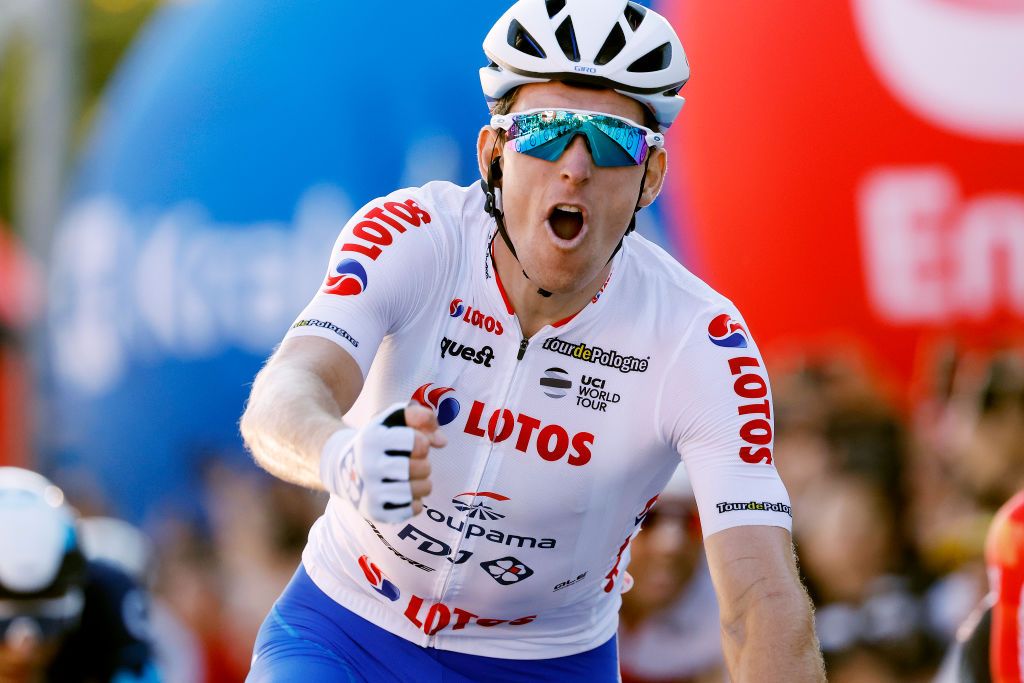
533,310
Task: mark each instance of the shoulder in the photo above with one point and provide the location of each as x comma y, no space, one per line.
443,200
669,289
440,213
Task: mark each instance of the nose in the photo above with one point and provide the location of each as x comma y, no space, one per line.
576,163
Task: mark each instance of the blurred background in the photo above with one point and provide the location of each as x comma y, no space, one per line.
850,173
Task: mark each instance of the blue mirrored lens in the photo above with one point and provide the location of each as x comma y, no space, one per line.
546,134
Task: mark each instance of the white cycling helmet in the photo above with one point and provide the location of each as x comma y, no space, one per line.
40,554
612,44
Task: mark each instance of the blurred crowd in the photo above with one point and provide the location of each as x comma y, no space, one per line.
891,510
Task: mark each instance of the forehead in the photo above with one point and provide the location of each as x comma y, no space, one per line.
556,95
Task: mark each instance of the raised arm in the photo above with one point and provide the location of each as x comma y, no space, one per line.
766,616
371,289
296,404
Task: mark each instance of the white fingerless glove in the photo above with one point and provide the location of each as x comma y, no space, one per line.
370,466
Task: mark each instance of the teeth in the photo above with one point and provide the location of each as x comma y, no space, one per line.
569,209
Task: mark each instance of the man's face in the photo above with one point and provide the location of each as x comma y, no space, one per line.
565,251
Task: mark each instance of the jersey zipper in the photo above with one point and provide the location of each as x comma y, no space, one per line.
523,344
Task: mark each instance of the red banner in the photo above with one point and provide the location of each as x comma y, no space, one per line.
851,173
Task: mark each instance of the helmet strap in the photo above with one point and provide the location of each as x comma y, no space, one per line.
632,221
493,206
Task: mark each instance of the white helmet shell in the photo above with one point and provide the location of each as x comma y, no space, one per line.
613,44
38,538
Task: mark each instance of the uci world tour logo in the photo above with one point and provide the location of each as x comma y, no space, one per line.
556,383
376,578
348,279
726,332
447,408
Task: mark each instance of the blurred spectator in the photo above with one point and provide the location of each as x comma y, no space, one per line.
177,652
668,628
62,617
220,570
871,616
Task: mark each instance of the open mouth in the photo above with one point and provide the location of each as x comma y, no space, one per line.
566,221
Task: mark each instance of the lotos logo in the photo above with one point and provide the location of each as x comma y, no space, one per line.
507,570
433,617
555,383
477,509
349,280
447,409
553,442
473,317
376,578
726,332
757,430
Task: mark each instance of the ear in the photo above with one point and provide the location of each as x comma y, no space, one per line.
485,150
656,172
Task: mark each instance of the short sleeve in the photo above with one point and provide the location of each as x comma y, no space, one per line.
716,409
382,263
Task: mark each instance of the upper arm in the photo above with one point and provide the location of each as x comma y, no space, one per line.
716,409
383,261
750,564
330,363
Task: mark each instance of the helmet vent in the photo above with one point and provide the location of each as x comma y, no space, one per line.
566,36
635,15
520,39
612,46
555,6
657,59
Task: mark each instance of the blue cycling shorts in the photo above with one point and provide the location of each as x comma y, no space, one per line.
309,637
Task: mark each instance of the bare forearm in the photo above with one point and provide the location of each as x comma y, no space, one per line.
290,415
773,640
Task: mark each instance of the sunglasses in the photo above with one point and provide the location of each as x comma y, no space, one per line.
545,134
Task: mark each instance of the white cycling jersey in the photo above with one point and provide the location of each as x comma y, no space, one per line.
558,445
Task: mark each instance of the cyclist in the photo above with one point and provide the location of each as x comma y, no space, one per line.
990,645
564,364
62,618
